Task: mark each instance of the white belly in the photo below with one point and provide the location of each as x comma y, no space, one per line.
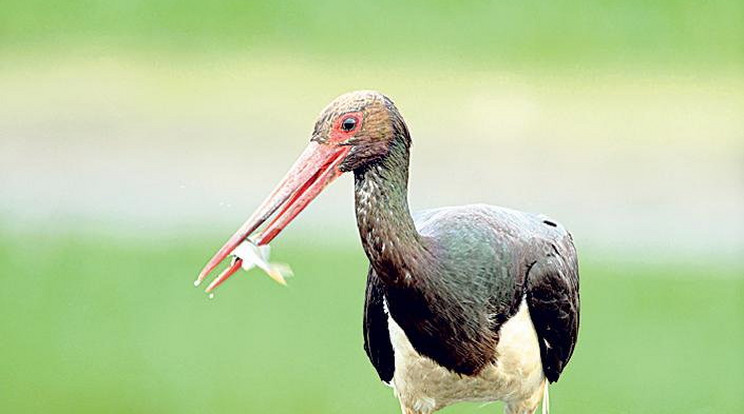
516,377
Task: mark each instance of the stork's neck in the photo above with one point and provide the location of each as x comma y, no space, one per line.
386,227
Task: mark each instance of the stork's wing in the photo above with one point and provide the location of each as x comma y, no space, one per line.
376,335
553,300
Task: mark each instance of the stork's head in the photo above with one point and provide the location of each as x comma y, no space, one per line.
364,122
352,132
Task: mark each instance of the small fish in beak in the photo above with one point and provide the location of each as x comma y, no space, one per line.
249,255
317,167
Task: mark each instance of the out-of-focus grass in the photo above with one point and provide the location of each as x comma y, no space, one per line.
93,324
569,32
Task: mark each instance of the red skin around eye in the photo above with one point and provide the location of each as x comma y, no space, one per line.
338,134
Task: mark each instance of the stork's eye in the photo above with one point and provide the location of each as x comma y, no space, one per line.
348,124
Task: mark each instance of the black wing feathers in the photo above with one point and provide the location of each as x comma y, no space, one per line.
553,300
376,335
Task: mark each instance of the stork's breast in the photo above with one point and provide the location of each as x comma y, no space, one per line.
516,374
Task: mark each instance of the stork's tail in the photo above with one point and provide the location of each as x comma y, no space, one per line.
546,398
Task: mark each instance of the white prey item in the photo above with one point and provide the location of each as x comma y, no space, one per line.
253,255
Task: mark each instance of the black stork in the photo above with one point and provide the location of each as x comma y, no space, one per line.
470,303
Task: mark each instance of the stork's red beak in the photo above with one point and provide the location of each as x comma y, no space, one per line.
311,173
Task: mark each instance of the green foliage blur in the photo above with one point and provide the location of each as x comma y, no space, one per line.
568,33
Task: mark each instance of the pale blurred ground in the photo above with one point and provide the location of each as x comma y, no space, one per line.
639,164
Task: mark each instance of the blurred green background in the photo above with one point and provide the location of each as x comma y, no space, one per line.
135,136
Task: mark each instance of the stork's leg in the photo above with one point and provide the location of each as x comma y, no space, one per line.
519,408
410,410
529,406
546,398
